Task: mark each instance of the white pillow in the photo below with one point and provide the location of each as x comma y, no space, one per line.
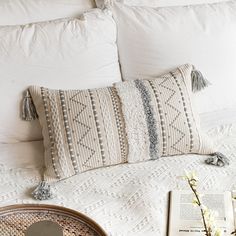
157,3
153,41
64,54
16,12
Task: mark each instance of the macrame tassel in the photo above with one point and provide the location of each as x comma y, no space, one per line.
218,159
43,191
198,81
28,109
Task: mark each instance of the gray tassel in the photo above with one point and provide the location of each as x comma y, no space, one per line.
43,191
198,81
217,159
28,109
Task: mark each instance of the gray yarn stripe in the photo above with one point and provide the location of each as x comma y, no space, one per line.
151,121
68,130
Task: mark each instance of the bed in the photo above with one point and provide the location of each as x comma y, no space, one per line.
132,195
125,199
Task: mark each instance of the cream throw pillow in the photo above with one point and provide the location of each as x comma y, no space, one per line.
129,122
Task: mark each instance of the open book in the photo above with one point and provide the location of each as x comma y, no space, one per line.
185,218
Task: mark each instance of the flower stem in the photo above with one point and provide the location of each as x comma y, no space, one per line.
208,230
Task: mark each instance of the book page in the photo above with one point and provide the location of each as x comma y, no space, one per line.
185,218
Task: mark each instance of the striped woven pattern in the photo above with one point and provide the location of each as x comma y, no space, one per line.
82,130
159,117
132,121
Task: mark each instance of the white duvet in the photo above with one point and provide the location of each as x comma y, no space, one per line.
127,199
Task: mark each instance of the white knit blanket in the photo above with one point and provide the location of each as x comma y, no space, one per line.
125,200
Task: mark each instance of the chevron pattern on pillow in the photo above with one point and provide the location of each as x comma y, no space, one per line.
130,122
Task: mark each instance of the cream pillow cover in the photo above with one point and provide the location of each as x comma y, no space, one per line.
130,122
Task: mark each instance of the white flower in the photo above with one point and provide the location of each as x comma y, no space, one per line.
208,215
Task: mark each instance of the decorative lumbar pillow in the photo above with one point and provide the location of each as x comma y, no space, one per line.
68,53
19,12
152,41
130,122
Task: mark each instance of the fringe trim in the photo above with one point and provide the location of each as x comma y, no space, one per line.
29,112
43,191
198,81
217,159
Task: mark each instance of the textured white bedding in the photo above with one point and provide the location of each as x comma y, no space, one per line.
128,199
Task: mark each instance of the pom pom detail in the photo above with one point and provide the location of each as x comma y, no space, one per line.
42,192
217,159
198,81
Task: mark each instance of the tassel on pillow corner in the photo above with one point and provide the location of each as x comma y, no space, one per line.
199,82
28,112
217,159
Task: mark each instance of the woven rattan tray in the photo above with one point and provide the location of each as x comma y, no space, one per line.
15,220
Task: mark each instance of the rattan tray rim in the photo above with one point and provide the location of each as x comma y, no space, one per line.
60,209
